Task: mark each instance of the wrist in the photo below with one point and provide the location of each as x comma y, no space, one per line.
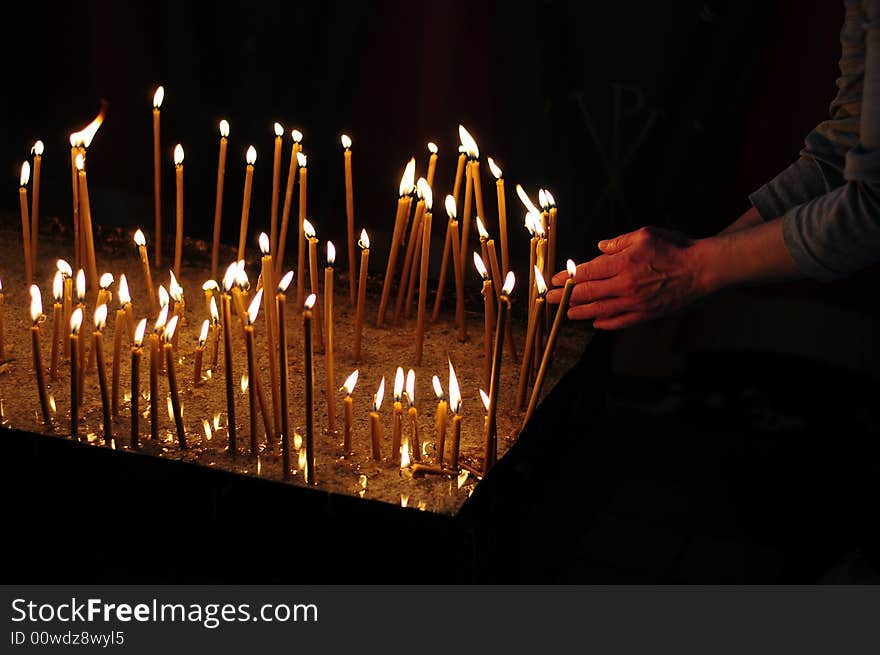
704,259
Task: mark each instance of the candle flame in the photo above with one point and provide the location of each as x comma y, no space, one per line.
346,141
76,319
538,224
350,382
432,147
308,229
450,207
81,285
217,421
526,201
428,195
404,500
164,297
178,155
364,241
37,148
408,179
480,266
161,320
301,160
278,129
468,142
411,387
224,128
241,278
481,229
485,398
36,303
210,285
229,276
84,136
285,282
296,135
454,391
362,483
139,332
493,167
530,223
254,307
124,294
64,268
438,389
100,317
398,384
421,183
263,240
462,478
245,382
379,395
297,441
105,281
331,253
203,335
540,283
139,239
215,315
302,460
310,302
509,282
57,286
79,162
170,328
25,174
52,405
251,156
571,267
405,460
542,200
207,427
158,97
551,201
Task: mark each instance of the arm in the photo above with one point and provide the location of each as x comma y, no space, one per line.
749,219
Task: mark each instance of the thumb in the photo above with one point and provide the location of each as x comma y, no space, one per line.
610,246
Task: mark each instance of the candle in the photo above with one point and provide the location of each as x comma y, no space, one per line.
440,418
364,243
310,406
218,201
98,347
57,295
81,304
226,302
136,352
158,96
502,213
209,287
444,263
347,412
175,291
455,406
530,338
288,200
328,333
423,275
488,315
459,174
37,150
397,416
432,163
309,233
458,266
172,380
76,319
375,426
118,327
551,233
414,238
407,183
268,272
36,316
104,297
26,223
67,307
415,446
349,215
141,243
551,339
280,304
200,350
276,190
471,174
530,221
75,148
250,158
215,328
178,233
491,444
252,312
303,162
155,355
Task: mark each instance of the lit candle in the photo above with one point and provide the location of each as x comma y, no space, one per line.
253,310
531,331
57,295
155,355
98,347
415,446
432,163
551,339
440,418
36,316
79,141
118,327
491,449
397,416
226,302
250,158
303,162
175,291
349,215
458,266
200,351
218,201
444,263
310,406
288,200
215,328
268,272
178,233
551,233
375,426
309,233
26,223
423,274
502,213
276,190
37,150
75,148
125,301
141,243
136,353
364,244
67,307
488,315
530,221
455,406
459,174
347,412
407,183
81,304
471,175
328,334
158,96
209,287
414,238
280,305
76,319
172,380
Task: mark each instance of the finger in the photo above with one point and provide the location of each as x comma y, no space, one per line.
600,310
619,322
610,246
603,266
587,292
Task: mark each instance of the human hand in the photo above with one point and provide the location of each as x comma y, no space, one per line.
639,276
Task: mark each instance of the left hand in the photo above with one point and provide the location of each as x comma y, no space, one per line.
640,276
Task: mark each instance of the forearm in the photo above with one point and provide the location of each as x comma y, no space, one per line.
749,219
